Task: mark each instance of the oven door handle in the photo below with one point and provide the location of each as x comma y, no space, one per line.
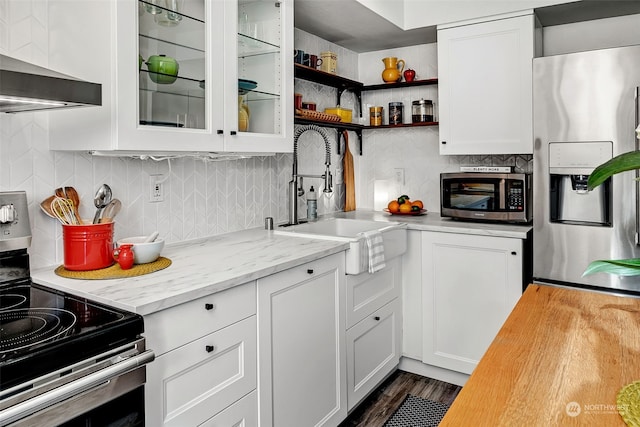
59,394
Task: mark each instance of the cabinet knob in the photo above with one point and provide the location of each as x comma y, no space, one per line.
443,142
514,253
220,131
376,318
209,348
310,271
209,306
233,132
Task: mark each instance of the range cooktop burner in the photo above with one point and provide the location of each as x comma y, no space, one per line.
11,300
22,328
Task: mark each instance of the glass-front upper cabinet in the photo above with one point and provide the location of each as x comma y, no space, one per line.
177,75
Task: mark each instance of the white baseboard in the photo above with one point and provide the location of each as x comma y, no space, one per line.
441,374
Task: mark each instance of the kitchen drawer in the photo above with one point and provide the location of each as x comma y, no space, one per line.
189,385
368,292
176,326
242,413
373,351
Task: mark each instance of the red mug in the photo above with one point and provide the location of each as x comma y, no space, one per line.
314,61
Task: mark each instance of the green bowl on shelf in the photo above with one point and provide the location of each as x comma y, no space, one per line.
162,69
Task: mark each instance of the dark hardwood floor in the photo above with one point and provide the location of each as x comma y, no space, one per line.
378,407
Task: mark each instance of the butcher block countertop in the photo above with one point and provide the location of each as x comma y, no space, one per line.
559,360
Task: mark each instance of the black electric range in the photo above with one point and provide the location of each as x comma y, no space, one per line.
64,360
43,330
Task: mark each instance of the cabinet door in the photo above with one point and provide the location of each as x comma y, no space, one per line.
367,292
470,285
174,112
301,330
373,351
190,384
485,87
258,55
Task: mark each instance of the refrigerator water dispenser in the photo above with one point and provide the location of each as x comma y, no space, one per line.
570,164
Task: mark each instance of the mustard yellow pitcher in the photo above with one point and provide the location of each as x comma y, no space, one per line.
243,115
391,74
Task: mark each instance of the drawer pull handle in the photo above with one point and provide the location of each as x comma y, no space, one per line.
209,306
310,271
514,253
209,348
219,131
443,142
233,132
377,318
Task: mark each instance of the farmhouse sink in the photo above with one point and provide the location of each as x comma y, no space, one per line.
347,230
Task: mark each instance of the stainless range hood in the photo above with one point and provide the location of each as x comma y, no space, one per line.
28,87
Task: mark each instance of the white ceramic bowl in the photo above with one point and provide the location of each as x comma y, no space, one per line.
144,252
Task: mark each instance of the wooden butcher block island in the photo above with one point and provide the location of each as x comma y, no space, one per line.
559,360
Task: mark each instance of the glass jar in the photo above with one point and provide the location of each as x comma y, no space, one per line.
422,111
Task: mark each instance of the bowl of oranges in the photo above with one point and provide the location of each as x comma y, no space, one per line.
403,205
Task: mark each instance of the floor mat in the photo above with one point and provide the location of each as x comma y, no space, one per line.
417,412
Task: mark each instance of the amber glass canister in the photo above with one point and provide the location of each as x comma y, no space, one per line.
375,116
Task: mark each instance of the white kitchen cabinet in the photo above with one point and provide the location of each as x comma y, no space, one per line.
470,284
221,46
373,350
301,331
485,85
206,358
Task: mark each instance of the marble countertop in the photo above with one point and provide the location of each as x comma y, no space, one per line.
199,268
205,266
432,221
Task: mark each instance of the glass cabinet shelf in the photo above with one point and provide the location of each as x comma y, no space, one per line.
181,87
249,46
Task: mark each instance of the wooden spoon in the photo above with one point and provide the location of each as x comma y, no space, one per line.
45,205
72,195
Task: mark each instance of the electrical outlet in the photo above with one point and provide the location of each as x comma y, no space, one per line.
399,175
156,188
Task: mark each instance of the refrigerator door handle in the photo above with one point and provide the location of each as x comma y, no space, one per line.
637,146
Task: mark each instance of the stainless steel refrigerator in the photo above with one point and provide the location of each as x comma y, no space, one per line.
585,112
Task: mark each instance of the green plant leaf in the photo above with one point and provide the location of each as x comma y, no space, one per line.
621,163
620,267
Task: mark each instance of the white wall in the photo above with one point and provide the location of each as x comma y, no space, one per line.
590,35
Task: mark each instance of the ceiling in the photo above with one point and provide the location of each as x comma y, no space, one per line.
351,25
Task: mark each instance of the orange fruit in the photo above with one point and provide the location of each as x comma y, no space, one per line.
393,206
417,203
405,208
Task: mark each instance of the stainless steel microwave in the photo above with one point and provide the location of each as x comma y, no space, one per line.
503,197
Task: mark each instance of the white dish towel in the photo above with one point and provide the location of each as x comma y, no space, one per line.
374,252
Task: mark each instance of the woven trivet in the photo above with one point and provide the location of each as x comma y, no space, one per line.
628,401
115,272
